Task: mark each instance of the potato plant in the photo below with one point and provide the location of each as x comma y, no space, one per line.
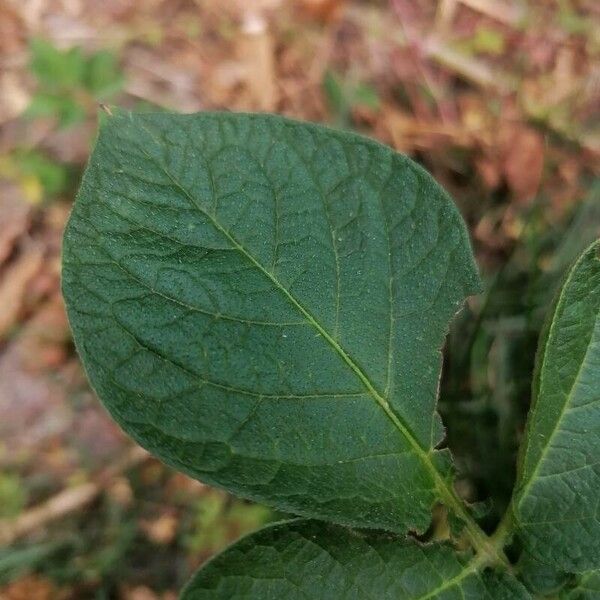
262,303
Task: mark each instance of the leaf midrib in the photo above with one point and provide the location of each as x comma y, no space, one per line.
465,571
381,400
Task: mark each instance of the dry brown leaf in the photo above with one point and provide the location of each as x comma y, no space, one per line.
489,171
239,7
32,397
101,438
14,282
12,34
48,327
321,10
489,230
476,119
565,77
509,13
469,68
15,216
145,593
120,492
446,10
398,123
14,95
68,500
139,592
161,530
31,588
523,163
256,52
409,133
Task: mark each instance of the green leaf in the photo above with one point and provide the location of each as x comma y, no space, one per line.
366,95
587,587
217,515
16,561
308,559
102,76
539,578
343,94
64,107
13,495
56,69
336,95
556,504
261,303
53,176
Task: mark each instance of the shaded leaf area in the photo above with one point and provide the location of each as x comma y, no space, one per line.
490,353
556,504
587,587
266,320
541,579
307,559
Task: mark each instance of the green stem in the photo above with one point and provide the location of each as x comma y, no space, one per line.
490,552
504,529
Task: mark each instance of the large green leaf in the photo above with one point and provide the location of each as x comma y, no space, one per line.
262,303
557,498
301,559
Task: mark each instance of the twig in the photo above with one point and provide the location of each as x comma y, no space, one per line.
476,71
414,39
509,14
68,500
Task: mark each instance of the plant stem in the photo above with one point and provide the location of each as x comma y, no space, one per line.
486,546
504,528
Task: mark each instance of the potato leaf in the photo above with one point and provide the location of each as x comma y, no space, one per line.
308,559
261,303
557,504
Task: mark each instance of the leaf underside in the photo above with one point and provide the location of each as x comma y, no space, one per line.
557,499
308,559
261,303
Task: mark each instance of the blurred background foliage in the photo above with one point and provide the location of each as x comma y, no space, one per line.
499,99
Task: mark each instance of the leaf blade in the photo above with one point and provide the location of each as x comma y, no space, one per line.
227,291
585,587
556,492
307,559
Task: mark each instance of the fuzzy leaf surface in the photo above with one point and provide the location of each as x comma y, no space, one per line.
585,587
309,559
261,303
557,499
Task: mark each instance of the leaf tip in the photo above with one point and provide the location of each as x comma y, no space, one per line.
107,113
106,109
